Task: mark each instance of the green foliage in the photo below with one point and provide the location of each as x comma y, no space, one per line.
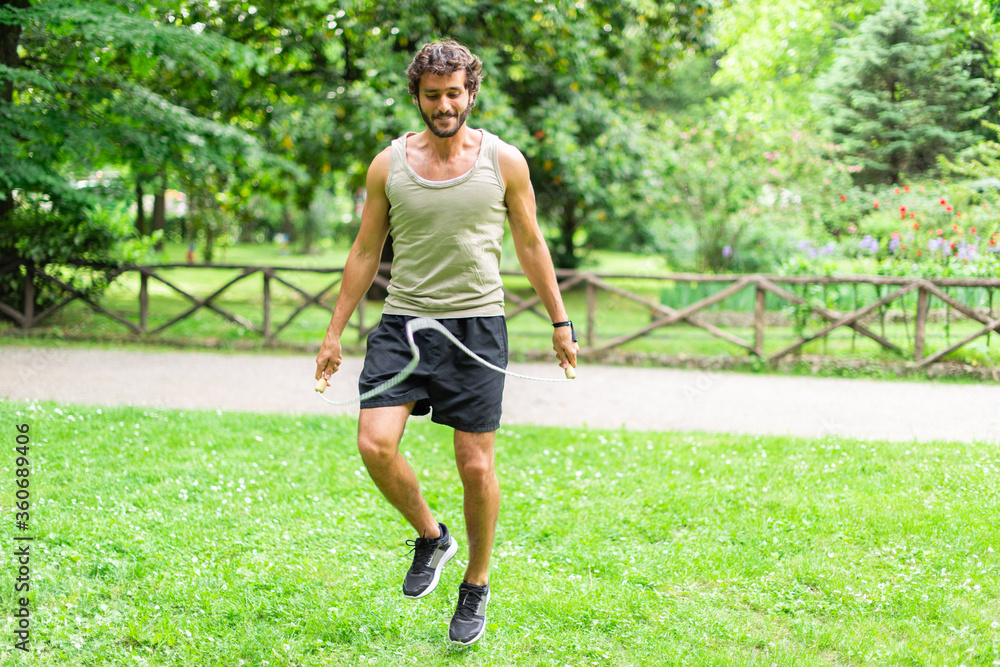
81,97
896,98
740,188
330,92
771,45
981,162
86,92
98,234
260,112
712,182
52,238
926,230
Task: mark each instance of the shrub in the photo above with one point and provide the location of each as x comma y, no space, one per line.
931,230
96,234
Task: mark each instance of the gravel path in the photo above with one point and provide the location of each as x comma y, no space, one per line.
602,397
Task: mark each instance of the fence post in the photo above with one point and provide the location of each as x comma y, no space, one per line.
143,301
591,312
29,294
267,303
923,299
759,320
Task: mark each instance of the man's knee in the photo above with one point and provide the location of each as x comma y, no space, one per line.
474,457
376,451
379,433
476,470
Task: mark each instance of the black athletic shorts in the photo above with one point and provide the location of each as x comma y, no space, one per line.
462,393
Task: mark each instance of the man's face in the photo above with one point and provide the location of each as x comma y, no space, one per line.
444,102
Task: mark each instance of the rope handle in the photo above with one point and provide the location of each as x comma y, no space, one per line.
421,324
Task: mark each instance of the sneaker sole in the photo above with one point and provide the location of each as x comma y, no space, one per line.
479,635
448,555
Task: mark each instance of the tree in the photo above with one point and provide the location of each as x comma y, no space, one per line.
77,98
322,88
896,98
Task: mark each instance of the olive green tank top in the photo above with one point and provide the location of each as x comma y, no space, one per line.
446,238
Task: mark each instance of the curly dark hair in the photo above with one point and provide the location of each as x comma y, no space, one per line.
445,58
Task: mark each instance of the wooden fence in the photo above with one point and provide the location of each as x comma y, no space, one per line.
766,289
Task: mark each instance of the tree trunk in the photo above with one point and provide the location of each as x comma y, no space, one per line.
160,211
288,227
566,255
141,225
303,199
208,252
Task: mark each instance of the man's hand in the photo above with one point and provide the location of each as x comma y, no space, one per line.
566,349
329,358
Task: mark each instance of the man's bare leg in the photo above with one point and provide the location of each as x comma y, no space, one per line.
379,433
475,459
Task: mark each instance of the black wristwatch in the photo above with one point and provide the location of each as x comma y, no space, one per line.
567,323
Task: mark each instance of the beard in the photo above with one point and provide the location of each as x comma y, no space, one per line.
444,134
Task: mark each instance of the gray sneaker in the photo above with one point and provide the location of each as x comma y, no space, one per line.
469,622
429,556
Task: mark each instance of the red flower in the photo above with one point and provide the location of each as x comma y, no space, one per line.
906,188
916,225
843,197
940,232
876,204
954,228
897,191
972,230
919,253
913,214
943,201
993,241
540,134
949,208
902,212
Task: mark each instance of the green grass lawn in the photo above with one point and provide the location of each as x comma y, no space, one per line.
202,538
258,254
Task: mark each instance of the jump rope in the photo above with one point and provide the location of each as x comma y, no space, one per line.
421,324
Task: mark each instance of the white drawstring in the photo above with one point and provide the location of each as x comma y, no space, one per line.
420,324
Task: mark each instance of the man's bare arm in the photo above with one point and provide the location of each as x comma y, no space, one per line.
532,251
362,263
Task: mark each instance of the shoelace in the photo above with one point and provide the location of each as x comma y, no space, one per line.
423,550
465,609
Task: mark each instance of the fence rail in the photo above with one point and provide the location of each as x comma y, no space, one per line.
768,292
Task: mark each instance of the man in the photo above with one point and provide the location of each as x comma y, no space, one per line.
444,193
